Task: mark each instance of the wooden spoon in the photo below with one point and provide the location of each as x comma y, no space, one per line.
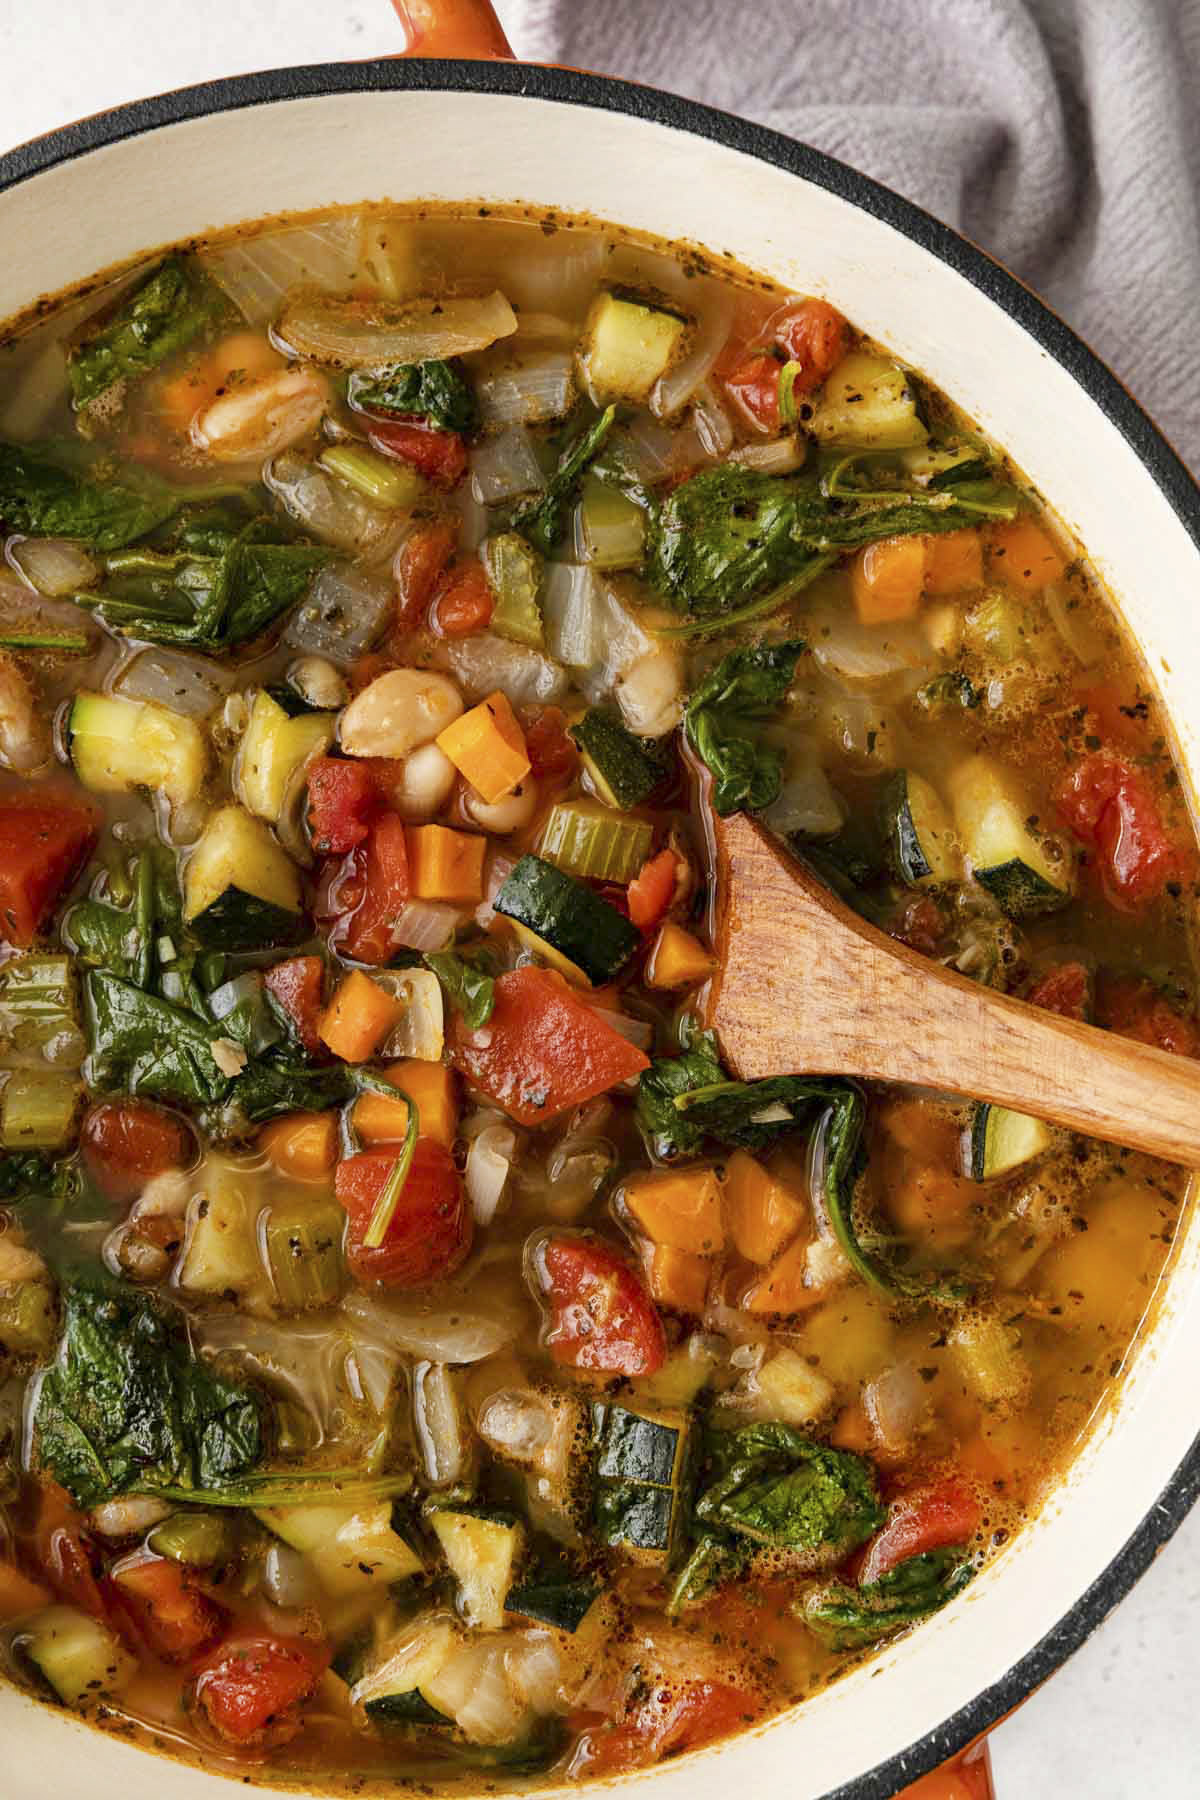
806,987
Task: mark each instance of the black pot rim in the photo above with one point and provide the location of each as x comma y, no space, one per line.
1151,447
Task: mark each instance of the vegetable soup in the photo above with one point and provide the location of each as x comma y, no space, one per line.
421,1361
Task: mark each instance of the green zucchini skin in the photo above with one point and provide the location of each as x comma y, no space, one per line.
576,925
625,769
561,1604
1019,890
1003,1140
919,832
410,1708
241,921
643,1465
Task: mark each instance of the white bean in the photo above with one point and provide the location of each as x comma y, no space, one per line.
319,682
24,737
127,1518
512,812
260,418
425,783
399,712
649,693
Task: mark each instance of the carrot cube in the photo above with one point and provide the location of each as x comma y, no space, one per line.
678,1207
677,959
487,746
677,1278
1024,556
301,1144
887,580
785,1287
359,1017
762,1214
445,864
430,1086
953,562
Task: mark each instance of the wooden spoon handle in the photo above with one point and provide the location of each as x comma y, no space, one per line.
807,987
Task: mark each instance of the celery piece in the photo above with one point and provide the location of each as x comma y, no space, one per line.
27,1318
201,1540
587,839
377,478
514,572
304,1250
37,1110
994,627
38,1009
613,526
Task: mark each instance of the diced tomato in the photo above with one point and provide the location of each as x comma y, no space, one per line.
175,1619
441,456
343,803
432,1228
754,387
65,1553
420,563
651,891
813,334
366,894
673,1719
552,754
543,1051
251,1685
465,605
1066,990
297,984
601,1315
125,1143
930,1518
1135,1008
43,845
1109,803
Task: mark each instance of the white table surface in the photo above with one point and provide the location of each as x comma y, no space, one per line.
1122,1720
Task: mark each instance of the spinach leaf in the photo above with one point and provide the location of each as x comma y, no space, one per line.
741,692
170,308
847,1618
142,1044
43,498
730,534
436,390
276,1084
35,1176
205,602
769,1486
543,519
670,1132
127,1409
469,981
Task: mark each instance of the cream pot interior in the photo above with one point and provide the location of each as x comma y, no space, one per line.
310,138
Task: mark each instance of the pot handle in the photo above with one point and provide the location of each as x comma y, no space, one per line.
466,28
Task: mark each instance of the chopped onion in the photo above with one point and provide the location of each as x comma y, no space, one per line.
541,387
866,653
504,467
426,925
289,1579
420,1031
499,870
446,1334
681,383
546,328
345,611
806,803
536,1671
474,515
258,272
632,265
572,608
193,685
54,566
482,664
372,1372
712,421
639,1032
658,452
779,457
1087,644
474,1690
555,275
331,509
365,334
489,1161
307,1360
895,1403
439,1423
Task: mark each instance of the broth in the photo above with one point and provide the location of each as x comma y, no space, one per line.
420,1361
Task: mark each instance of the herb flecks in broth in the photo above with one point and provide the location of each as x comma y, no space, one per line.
421,1359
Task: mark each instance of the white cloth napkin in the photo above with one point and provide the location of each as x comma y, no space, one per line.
1063,136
